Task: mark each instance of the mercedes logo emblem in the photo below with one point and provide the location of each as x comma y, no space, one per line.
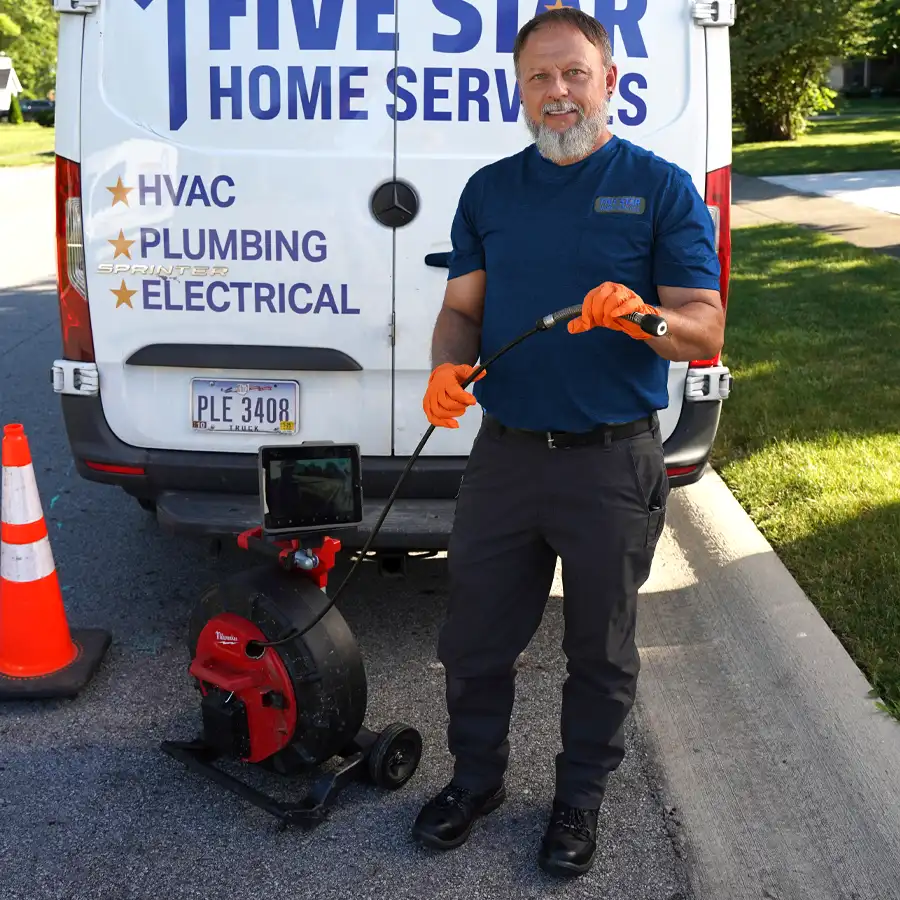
395,204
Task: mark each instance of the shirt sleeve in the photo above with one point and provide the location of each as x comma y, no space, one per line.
467,254
685,241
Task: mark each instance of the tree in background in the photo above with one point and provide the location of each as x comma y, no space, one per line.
8,29
28,30
886,28
781,55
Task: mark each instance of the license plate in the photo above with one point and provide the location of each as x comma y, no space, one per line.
234,406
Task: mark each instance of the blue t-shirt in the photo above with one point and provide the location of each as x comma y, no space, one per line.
546,235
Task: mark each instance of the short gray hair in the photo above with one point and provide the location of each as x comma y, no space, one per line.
587,25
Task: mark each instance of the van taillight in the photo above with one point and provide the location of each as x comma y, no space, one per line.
114,469
71,273
681,470
718,200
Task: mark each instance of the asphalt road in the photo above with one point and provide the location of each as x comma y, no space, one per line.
91,808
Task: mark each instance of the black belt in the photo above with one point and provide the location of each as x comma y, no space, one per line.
602,434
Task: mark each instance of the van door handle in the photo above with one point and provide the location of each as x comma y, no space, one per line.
438,260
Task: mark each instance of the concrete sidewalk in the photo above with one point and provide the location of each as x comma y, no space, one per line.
758,202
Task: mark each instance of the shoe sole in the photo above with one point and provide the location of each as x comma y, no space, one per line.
437,844
554,867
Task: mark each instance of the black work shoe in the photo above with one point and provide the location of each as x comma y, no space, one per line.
570,840
447,819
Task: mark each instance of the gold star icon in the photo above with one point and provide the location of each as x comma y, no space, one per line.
123,295
123,246
120,192
558,5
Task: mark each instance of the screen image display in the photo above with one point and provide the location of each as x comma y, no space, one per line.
308,489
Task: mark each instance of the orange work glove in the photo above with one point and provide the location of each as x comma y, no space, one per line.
445,398
604,304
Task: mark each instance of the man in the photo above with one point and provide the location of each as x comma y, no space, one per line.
580,216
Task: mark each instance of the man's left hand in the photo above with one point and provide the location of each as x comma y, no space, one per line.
604,306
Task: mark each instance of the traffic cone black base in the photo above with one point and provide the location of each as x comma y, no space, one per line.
40,656
92,644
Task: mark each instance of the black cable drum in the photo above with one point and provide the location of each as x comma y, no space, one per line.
330,709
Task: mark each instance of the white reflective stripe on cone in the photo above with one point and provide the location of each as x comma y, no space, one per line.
21,500
26,562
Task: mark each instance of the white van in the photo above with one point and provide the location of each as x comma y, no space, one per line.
254,210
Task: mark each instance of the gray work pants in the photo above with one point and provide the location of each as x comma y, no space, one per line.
522,505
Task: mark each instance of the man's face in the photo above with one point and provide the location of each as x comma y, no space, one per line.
565,90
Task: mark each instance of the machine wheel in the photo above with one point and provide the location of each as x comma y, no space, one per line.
395,756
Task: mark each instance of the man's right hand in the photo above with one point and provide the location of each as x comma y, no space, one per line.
445,398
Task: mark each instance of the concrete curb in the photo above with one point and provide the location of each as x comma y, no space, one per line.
784,777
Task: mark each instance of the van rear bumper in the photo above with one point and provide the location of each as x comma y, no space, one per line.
92,441
410,524
218,493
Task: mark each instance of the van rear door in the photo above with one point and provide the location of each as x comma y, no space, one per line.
240,290
458,109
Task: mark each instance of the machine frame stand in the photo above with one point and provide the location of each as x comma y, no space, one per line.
318,799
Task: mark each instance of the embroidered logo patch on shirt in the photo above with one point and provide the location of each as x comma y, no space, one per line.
632,205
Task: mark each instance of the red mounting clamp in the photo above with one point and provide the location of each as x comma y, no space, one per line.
284,552
325,554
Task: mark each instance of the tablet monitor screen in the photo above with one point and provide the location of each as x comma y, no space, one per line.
310,487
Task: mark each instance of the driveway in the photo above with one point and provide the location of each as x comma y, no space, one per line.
873,190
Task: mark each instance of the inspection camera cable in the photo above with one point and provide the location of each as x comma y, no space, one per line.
651,324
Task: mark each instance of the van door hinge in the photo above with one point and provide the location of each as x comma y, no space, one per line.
715,13
392,329
75,6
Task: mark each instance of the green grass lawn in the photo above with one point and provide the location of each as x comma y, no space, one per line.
25,145
864,105
810,439
860,141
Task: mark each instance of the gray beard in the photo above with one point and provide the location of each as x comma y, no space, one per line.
574,143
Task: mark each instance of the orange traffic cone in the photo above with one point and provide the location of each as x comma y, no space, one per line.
39,656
